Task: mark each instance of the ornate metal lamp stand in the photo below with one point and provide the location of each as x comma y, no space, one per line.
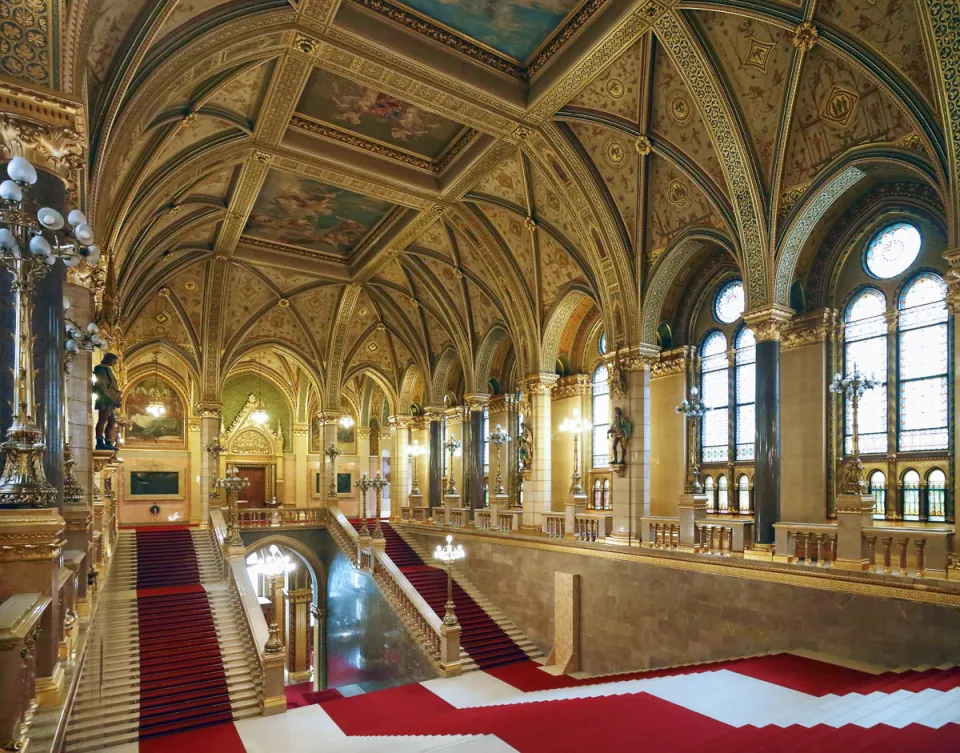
448,554
215,448
451,446
854,386
499,437
274,565
232,483
378,485
415,450
692,410
574,425
29,245
364,484
333,452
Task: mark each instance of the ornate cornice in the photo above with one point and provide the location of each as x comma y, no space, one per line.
399,422
575,385
538,384
30,535
672,362
808,329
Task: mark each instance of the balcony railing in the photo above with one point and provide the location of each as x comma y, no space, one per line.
279,517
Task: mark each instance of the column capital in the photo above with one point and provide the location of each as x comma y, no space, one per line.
575,385
433,413
326,417
768,321
632,358
400,421
539,383
671,362
476,401
208,409
953,280
808,329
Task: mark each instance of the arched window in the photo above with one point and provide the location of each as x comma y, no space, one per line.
601,417
597,495
878,488
714,388
865,338
936,495
745,383
723,504
729,303
924,416
607,503
911,495
892,250
743,493
711,491
486,493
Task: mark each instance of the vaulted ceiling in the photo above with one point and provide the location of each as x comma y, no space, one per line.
435,192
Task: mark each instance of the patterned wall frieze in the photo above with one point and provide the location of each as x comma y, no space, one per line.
575,385
674,34
808,329
317,14
803,225
672,362
29,42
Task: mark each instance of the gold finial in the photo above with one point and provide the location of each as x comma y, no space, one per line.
273,645
643,146
530,224
805,36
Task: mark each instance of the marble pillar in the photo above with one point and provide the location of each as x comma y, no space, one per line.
298,622
210,459
537,493
399,464
436,458
953,306
473,451
767,324
301,481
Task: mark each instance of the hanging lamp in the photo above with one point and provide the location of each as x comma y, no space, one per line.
156,406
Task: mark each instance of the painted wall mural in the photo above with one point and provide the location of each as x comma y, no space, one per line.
516,28
303,212
349,106
145,429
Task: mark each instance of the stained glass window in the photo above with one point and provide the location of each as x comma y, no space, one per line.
865,334
936,495
714,387
745,382
607,504
597,495
601,417
711,491
730,302
602,343
923,365
893,250
743,493
723,503
878,488
911,495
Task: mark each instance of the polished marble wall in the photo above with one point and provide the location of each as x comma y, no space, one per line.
637,616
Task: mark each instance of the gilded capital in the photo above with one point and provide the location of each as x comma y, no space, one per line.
767,322
399,422
953,280
538,384
575,385
476,401
672,362
808,329
327,417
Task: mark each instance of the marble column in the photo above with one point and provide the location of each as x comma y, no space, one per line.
473,451
363,452
328,425
399,464
436,457
319,648
767,324
298,621
8,311
953,306
301,482
209,459
537,494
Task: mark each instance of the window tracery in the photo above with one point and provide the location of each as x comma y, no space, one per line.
601,417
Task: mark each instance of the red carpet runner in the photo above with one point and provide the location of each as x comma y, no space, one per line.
182,681
480,636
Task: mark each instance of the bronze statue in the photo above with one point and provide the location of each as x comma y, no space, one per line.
620,430
525,444
108,400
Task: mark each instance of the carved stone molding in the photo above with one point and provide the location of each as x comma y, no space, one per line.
767,322
808,329
575,385
30,535
476,401
672,362
538,384
953,280
399,422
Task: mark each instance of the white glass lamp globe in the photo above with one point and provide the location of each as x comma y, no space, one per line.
51,219
8,241
72,261
66,303
76,217
76,334
72,346
93,255
92,328
40,246
84,233
104,346
20,170
10,191
50,260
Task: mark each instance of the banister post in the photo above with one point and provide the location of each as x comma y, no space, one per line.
450,650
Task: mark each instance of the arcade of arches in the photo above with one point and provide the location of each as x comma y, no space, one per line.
580,275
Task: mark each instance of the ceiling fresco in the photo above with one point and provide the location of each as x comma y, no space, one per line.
348,106
515,28
299,211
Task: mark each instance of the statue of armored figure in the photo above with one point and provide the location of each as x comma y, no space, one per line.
620,430
525,446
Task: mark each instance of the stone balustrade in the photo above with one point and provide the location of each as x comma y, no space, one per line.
482,519
593,526
713,538
509,521
415,513
554,524
279,517
909,552
661,532
20,625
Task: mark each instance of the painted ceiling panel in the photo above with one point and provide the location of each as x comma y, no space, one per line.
318,307
505,182
251,294
617,89
514,233
550,206
114,20
563,271
279,323
244,93
188,286
159,320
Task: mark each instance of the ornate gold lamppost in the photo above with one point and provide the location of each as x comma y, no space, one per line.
853,386
451,446
29,245
448,554
215,448
274,565
378,485
692,410
574,425
333,452
500,437
232,483
415,450
364,484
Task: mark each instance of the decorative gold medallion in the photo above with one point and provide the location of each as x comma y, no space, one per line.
679,108
283,303
677,193
840,105
615,152
190,286
362,311
759,54
373,347
615,88
162,318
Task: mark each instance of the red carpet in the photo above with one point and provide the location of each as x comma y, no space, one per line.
182,680
480,636
303,694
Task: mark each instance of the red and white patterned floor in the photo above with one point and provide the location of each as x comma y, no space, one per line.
779,703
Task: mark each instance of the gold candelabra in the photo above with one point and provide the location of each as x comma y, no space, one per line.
451,446
499,437
378,485
333,452
364,485
232,483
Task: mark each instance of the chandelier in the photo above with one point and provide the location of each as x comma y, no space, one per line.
346,421
31,241
156,406
259,414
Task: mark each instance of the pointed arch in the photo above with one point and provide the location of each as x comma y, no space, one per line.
556,323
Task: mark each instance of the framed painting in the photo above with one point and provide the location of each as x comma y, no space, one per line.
146,430
344,483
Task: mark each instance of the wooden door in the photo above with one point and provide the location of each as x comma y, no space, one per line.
254,495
